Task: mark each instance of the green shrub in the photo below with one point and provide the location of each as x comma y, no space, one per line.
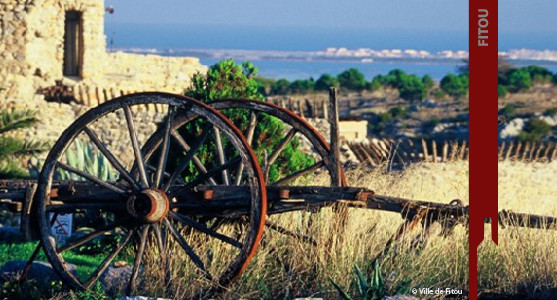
507,111
301,86
352,79
325,81
534,130
455,85
551,112
502,90
374,84
226,79
428,82
280,87
398,112
519,80
539,74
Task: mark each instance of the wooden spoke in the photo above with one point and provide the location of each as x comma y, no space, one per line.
161,244
160,240
138,258
106,262
187,248
135,144
111,158
91,178
249,139
302,172
221,156
183,164
165,147
276,152
204,177
89,236
202,228
196,161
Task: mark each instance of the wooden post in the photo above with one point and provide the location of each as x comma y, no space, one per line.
334,131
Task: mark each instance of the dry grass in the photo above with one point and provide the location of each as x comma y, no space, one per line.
285,267
526,259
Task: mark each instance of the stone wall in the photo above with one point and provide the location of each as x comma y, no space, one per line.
32,53
13,28
151,72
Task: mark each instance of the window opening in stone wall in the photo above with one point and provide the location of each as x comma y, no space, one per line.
73,44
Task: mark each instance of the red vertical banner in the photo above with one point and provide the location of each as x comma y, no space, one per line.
482,122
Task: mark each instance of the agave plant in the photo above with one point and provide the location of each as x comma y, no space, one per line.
372,288
13,149
83,157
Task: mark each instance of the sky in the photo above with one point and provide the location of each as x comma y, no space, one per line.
521,23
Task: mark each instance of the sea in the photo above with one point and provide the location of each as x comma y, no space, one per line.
300,53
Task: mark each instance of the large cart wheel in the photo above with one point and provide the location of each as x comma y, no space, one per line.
271,131
257,120
142,210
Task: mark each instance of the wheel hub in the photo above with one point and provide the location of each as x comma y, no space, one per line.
149,206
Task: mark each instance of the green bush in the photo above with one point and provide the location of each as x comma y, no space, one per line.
539,74
428,82
455,85
551,112
352,79
507,111
398,112
280,87
301,86
325,81
502,90
519,80
410,87
374,84
226,79
535,130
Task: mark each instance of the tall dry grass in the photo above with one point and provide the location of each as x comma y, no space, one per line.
526,259
285,267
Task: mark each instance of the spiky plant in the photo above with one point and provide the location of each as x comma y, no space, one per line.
13,149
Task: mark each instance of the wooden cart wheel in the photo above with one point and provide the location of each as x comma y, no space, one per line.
142,209
248,115
286,127
296,129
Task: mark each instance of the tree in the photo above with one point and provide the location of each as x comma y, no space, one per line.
325,81
538,74
519,80
226,79
428,82
352,79
301,86
374,84
12,149
412,88
280,87
454,85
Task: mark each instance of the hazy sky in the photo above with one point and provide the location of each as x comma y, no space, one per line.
515,15
427,24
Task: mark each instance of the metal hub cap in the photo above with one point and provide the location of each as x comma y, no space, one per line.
149,206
